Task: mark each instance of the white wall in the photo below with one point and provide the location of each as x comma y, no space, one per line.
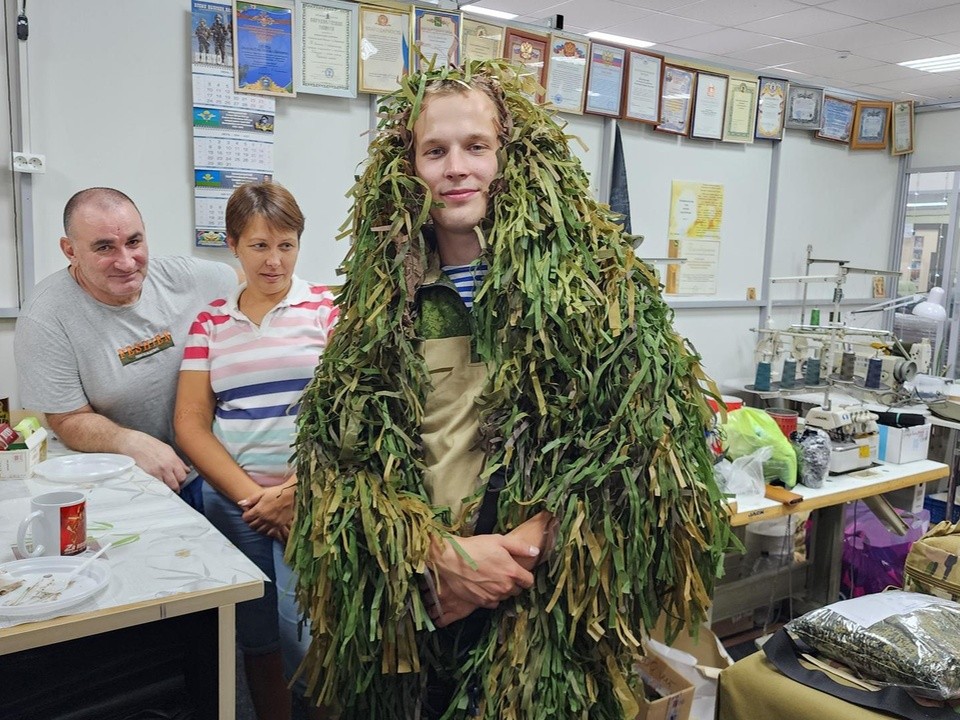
111,106
935,140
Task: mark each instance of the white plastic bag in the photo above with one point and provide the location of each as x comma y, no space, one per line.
744,476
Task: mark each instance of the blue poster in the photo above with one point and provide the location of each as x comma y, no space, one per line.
264,49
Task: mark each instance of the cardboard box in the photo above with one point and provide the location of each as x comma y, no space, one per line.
908,498
903,445
675,694
20,463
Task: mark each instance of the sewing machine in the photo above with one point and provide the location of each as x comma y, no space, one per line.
854,437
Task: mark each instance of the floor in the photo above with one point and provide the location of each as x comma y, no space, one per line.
245,706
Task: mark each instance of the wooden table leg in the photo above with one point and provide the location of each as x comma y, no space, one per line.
227,662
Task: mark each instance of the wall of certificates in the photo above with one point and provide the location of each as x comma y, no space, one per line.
135,129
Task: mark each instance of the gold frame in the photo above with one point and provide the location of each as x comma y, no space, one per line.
855,142
908,105
405,25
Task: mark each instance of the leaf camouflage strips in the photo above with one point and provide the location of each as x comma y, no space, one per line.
593,407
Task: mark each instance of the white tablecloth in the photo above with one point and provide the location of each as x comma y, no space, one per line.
174,549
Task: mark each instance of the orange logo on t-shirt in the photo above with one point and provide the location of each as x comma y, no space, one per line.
145,348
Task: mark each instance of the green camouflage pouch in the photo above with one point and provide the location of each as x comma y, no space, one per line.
931,566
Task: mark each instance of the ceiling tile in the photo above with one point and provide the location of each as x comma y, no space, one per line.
597,15
952,38
929,81
886,72
724,41
778,53
658,5
909,50
520,7
731,13
882,9
833,67
661,28
931,22
800,22
858,36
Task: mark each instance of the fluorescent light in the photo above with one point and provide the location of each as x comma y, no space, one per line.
942,203
943,63
620,39
500,14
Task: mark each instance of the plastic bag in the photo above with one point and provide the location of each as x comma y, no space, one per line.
747,430
894,638
814,457
743,476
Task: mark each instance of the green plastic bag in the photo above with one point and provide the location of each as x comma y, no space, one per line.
749,429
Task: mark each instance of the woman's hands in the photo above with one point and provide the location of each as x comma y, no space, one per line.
270,510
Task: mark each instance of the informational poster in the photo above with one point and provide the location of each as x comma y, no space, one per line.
264,48
696,216
232,132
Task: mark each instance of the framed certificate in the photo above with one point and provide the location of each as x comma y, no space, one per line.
529,50
804,108
384,46
325,47
480,40
771,104
871,123
642,88
436,38
567,72
676,99
901,128
263,39
605,72
740,115
711,100
837,122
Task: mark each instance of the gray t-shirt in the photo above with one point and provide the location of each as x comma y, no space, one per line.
72,350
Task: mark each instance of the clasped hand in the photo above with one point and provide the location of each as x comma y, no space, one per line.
269,511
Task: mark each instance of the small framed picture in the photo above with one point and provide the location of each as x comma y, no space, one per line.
837,122
804,108
676,99
770,108
605,79
741,112
871,121
436,38
901,128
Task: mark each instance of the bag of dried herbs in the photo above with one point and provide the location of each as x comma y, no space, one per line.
593,410
895,638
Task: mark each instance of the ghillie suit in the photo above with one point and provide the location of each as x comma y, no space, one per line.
593,408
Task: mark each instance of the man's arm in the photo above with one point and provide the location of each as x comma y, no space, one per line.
87,431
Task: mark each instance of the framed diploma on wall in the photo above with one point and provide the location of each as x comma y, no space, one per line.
567,72
771,104
676,99
708,107
741,112
528,50
436,38
804,108
871,124
384,48
901,128
263,48
325,47
480,40
837,122
641,91
605,72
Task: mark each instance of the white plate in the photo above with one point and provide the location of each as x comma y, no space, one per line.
84,467
45,588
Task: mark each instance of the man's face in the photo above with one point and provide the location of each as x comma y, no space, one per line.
107,248
455,153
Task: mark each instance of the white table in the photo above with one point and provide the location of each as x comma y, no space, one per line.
177,564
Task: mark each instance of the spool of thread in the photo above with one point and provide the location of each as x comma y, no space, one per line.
815,316
847,363
874,369
811,375
762,379
788,378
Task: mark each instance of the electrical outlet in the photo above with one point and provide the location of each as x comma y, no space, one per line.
751,293
28,162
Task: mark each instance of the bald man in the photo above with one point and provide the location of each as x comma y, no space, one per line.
98,345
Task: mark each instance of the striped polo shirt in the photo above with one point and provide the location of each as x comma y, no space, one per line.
467,279
258,373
